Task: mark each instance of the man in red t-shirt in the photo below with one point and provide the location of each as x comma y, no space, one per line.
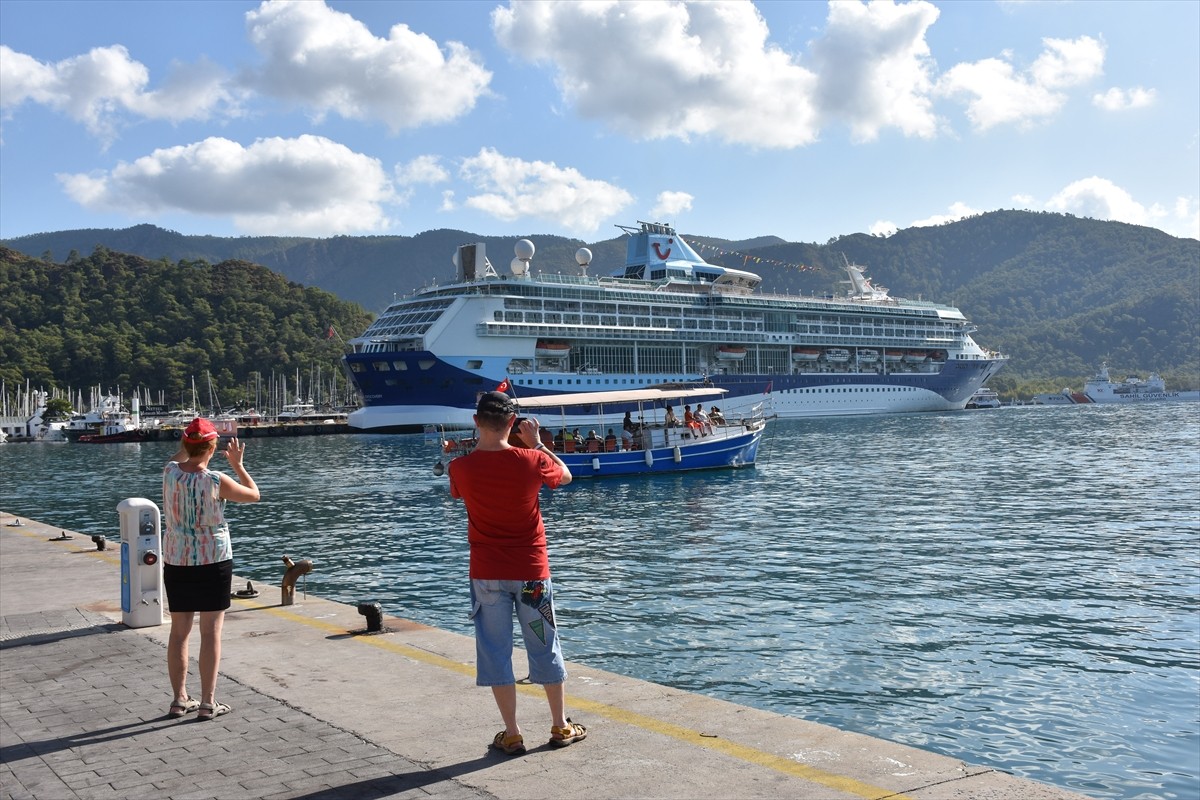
510,570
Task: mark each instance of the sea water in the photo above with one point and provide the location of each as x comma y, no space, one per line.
1018,588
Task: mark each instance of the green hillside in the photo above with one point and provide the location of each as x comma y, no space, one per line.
1057,293
113,319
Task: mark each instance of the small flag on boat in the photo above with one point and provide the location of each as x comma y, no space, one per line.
504,386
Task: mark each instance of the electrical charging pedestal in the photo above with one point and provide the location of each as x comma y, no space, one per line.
142,595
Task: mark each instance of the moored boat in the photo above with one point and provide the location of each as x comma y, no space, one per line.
1101,389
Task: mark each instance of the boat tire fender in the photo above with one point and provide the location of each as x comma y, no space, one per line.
678,455
649,458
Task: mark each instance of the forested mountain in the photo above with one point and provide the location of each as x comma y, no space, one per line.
112,319
1057,293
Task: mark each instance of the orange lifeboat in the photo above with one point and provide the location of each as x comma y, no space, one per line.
806,353
551,349
727,352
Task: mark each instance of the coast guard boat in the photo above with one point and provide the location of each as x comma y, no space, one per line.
666,317
1102,389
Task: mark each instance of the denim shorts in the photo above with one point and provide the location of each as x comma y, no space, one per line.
492,605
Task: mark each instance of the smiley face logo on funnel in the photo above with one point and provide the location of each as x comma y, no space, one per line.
658,251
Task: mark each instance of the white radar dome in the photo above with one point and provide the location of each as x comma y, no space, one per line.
518,267
583,256
524,249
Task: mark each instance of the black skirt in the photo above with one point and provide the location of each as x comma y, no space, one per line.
203,588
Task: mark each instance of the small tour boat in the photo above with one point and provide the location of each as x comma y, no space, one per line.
651,448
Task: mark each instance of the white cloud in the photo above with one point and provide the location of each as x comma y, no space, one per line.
422,169
668,69
875,68
304,186
511,189
1100,198
671,203
1121,99
95,87
326,60
1000,95
957,211
883,227
1025,200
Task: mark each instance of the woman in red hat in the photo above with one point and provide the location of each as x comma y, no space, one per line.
198,558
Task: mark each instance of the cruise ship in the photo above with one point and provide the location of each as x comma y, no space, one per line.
666,317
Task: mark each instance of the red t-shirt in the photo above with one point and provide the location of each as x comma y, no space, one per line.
504,518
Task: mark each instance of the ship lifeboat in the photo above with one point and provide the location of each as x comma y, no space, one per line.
838,355
938,355
727,352
916,356
551,350
893,355
868,356
805,353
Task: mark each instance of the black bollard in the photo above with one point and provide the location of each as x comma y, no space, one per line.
373,611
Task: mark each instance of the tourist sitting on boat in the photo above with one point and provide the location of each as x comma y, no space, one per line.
716,417
671,420
592,443
578,437
689,419
627,424
610,442
701,417
547,438
627,434
558,439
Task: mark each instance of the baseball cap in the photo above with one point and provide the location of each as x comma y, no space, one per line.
495,404
200,430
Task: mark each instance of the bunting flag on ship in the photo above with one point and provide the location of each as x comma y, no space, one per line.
749,259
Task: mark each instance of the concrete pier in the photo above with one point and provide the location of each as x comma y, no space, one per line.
321,709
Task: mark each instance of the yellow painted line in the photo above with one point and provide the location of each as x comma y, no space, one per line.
741,752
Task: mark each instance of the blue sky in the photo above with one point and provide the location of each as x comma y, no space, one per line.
803,120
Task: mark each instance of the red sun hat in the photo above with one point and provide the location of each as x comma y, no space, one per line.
200,430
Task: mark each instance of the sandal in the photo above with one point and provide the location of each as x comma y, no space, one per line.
209,710
510,745
573,732
184,706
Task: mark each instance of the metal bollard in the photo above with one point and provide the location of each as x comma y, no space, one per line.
293,572
373,611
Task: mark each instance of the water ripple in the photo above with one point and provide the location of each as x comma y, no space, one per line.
1017,588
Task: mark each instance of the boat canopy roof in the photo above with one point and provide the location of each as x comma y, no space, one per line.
619,396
